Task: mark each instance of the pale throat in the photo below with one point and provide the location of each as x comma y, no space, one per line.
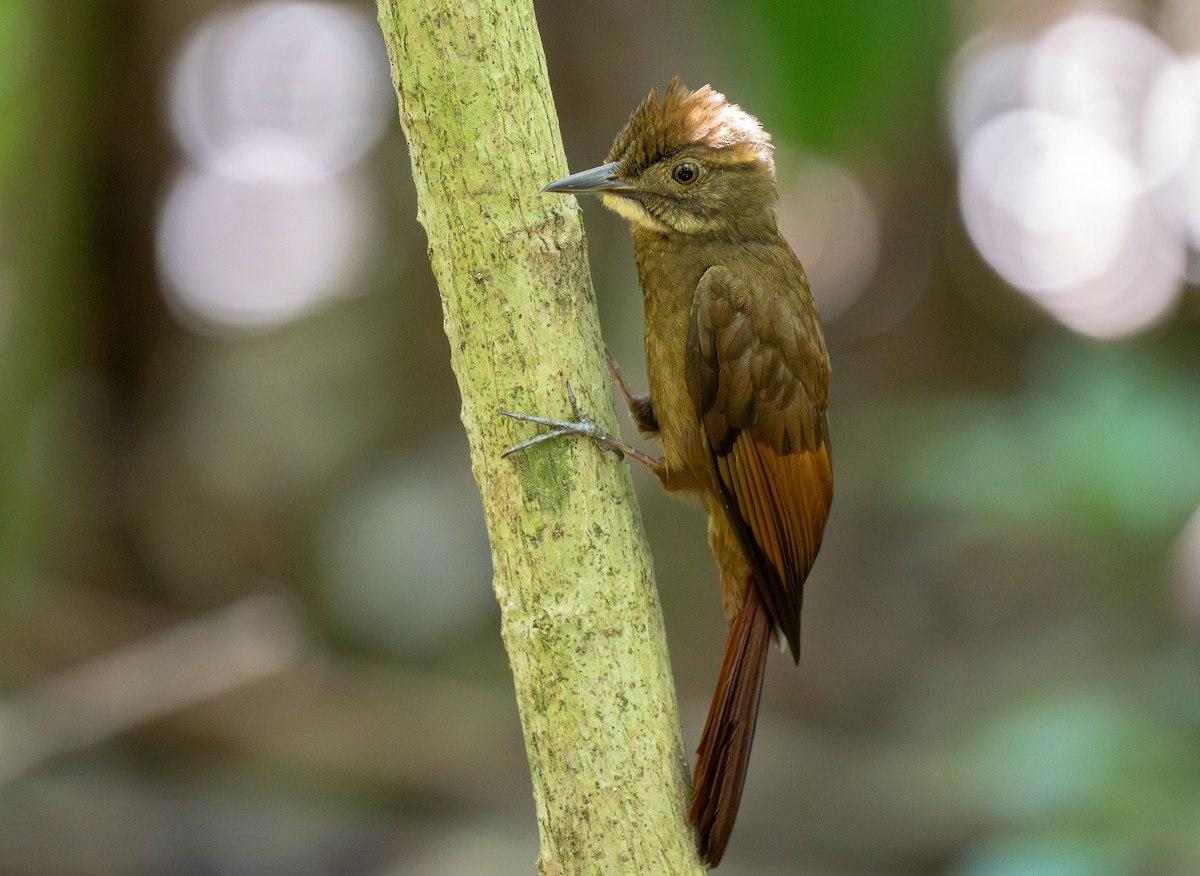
631,210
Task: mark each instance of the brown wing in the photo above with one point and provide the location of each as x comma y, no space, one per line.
757,371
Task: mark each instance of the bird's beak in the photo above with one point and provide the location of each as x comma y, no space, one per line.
598,179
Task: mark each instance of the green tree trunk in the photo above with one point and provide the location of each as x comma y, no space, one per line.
579,612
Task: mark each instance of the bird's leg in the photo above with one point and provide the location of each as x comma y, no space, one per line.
641,407
582,427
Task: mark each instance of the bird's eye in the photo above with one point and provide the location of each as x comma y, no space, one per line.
686,173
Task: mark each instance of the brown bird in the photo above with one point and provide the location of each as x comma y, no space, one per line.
738,389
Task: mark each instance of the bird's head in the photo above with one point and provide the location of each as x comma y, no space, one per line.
688,163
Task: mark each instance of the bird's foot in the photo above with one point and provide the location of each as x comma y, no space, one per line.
641,407
579,426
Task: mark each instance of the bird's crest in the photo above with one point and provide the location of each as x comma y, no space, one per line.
681,118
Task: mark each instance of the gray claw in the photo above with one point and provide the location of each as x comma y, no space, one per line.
581,426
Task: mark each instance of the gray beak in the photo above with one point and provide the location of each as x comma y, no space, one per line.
598,179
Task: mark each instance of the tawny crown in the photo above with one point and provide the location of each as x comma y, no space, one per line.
682,118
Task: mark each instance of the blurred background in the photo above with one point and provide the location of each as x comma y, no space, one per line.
246,624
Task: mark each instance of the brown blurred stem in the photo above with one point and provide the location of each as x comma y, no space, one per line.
579,613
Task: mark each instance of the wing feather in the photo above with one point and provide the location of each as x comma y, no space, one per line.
757,374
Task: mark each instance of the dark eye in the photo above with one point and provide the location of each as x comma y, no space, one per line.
686,173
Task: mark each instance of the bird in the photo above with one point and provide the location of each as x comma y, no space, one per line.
739,377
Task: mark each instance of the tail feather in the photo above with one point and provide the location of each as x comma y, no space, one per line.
724,750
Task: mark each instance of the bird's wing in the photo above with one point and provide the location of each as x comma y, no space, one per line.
757,372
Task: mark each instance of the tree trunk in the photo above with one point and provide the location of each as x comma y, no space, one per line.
579,613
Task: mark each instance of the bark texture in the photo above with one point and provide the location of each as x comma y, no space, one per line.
580,615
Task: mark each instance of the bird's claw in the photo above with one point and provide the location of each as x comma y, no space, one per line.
580,426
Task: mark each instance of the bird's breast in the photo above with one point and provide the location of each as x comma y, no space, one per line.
669,279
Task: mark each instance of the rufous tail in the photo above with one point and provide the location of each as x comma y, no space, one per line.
724,750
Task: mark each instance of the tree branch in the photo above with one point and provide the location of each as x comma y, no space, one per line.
579,613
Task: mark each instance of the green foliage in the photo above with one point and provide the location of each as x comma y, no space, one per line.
1085,782
16,41
1098,450
1102,441
847,69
